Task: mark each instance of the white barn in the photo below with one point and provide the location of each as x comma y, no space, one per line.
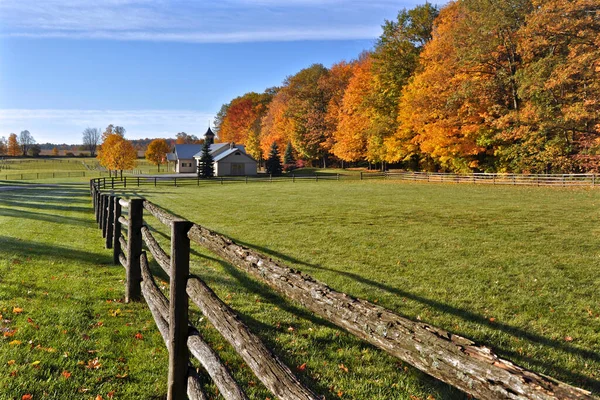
229,159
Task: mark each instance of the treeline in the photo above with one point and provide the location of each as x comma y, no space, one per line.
479,85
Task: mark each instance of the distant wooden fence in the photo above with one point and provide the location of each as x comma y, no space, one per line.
562,180
453,359
49,175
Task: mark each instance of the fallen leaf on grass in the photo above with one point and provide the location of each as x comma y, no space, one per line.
11,362
30,321
301,367
110,394
10,333
121,376
15,343
568,339
66,374
139,336
17,310
93,364
36,362
343,367
115,313
26,397
98,397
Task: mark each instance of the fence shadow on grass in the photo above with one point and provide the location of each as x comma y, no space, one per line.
24,248
580,379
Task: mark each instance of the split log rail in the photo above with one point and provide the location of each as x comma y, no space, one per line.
455,360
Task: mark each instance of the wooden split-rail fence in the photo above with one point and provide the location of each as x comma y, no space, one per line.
453,359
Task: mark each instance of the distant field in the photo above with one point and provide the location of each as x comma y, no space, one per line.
514,268
62,167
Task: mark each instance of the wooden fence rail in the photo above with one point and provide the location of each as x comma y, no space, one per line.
450,358
171,315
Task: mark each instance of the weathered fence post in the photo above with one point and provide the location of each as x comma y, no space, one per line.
175,181
112,183
110,220
102,222
98,203
116,231
125,182
293,177
134,249
178,310
154,181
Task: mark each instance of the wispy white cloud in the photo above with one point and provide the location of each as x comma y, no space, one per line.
196,21
50,125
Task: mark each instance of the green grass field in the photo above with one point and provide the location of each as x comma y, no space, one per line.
512,268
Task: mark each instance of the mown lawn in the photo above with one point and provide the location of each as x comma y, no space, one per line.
512,268
65,332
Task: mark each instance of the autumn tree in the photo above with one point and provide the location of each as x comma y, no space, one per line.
394,61
307,107
206,165
3,148
334,84
273,164
91,138
55,152
355,114
558,129
117,154
157,152
276,125
184,138
450,114
241,122
26,140
13,148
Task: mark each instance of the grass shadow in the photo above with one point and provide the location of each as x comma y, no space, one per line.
583,380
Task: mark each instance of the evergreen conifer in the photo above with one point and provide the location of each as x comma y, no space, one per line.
288,156
273,164
206,167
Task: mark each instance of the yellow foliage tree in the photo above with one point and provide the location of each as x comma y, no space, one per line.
116,153
157,152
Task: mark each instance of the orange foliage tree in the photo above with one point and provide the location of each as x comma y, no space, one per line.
354,115
276,125
157,151
450,113
334,84
13,148
116,153
240,121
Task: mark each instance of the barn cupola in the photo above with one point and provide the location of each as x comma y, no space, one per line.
209,136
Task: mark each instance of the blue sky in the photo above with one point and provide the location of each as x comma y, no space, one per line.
158,67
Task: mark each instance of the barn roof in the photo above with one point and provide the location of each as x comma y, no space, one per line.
187,151
229,152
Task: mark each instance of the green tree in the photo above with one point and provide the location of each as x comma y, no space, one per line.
273,164
288,156
206,167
